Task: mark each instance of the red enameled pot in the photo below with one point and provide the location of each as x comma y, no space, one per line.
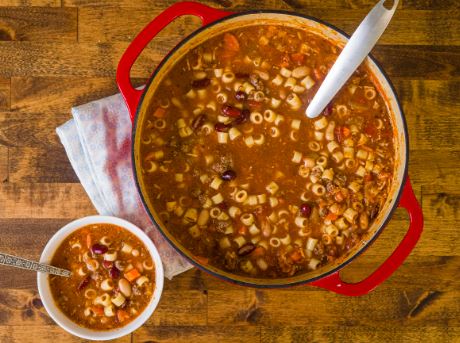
215,22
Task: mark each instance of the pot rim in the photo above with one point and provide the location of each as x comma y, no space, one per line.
286,284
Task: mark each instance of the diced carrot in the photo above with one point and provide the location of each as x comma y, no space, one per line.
132,275
298,57
230,42
159,112
98,310
331,217
88,241
257,252
122,315
342,132
242,230
296,256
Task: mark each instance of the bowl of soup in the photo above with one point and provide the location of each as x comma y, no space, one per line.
235,175
116,281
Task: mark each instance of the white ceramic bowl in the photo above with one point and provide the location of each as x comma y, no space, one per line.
60,318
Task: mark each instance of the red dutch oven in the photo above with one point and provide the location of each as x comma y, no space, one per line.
215,22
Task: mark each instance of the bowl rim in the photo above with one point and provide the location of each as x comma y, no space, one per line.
287,281
66,323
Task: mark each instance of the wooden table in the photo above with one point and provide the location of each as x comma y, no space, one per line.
60,53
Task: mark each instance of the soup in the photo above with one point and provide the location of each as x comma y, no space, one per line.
241,177
113,277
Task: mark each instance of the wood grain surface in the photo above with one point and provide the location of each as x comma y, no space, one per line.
55,54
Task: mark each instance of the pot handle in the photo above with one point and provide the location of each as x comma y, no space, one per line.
130,94
335,284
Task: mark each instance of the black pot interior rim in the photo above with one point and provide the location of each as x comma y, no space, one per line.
288,283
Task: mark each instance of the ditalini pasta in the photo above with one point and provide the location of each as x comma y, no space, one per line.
112,280
269,193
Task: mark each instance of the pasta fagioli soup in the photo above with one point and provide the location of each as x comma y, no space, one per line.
113,277
241,177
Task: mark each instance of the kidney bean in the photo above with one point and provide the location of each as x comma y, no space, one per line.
305,210
199,121
203,83
99,249
114,272
221,127
240,96
84,283
328,110
228,175
246,249
107,264
230,111
243,118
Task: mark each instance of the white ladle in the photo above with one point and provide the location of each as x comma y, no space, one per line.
358,47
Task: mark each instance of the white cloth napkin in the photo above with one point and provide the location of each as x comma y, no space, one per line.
98,143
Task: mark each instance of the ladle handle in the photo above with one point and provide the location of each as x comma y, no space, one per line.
22,263
358,47
132,95
335,284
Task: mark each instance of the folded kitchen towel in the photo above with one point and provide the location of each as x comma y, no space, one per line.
98,143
